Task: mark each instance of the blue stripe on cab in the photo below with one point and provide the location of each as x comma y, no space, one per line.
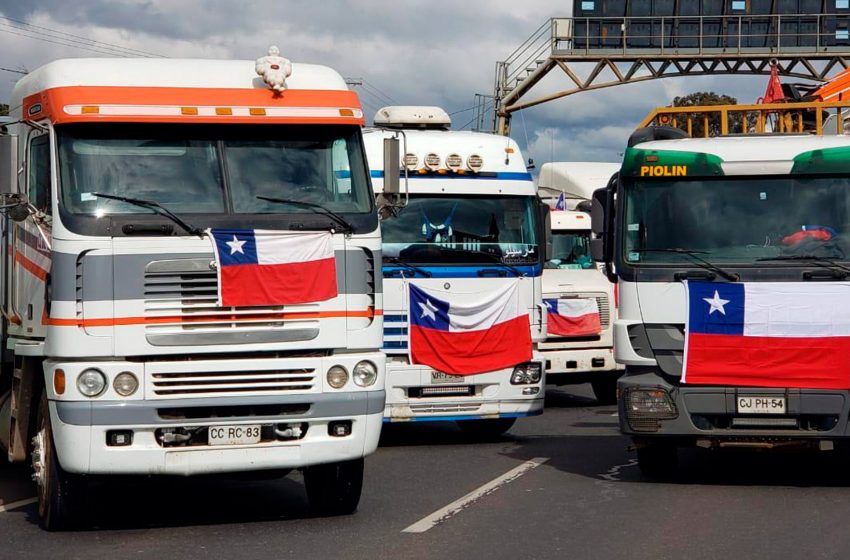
497,176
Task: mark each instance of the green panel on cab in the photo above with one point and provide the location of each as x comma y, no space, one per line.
827,160
661,164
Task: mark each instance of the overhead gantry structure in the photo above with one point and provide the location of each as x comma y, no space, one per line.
625,50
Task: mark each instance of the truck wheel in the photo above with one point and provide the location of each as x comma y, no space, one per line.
605,390
61,495
334,489
486,429
657,459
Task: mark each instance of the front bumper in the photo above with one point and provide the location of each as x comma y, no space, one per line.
579,360
80,432
492,396
710,413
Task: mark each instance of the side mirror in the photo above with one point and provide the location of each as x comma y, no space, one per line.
8,164
545,214
392,166
602,219
19,212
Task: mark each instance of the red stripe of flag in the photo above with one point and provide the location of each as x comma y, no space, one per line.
583,325
767,361
465,353
284,284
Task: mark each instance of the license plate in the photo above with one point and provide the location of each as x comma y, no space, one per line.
761,405
234,435
439,377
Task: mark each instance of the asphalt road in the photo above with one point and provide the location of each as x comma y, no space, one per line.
579,495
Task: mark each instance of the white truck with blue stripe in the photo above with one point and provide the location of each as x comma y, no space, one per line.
468,221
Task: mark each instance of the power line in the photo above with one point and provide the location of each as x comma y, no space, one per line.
76,46
62,35
379,93
13,70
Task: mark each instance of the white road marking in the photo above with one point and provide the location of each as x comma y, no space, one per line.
15,505
457,506
613,473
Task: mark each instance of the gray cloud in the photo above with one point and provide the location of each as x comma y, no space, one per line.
438,52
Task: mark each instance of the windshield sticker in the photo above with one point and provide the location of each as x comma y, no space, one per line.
634,256
87,197
663,170
762,196
634,227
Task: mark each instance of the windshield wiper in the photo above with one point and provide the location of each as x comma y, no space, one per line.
347,227
157,208
695,255
408,266
825,262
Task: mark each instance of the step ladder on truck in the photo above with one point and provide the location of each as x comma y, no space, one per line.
131,346
466,227
580,300
731,255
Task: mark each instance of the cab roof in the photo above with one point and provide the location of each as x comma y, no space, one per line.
502,163
569,220
739,155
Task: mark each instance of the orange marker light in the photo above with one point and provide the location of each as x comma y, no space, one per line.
90,109
223,111
651,159
509,150
257,112
189,110
346,113
59,381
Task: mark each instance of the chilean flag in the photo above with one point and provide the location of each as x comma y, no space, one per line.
768,334
257,267
467,333
573,316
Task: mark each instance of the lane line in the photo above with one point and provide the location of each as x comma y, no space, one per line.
446,513
15,505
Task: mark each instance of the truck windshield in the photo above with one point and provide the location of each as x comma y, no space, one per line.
470,230
570,250
737,220
200,169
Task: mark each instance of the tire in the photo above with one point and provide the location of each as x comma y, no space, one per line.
61,495
486,429
334,489
605,389
657,460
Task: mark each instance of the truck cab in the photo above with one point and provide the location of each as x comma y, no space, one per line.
579,345
731,255
466,221
121,358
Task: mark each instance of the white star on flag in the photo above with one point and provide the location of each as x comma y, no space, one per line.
716,303
236,246
428,310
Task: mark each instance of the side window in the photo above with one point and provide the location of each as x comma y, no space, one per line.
39,173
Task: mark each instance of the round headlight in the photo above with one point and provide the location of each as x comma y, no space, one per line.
365,374
337,377
411,161
91,382
475,163
432,161
454,162
125,384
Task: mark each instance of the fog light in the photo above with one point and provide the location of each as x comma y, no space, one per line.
645,408
119,438
527,373
337,377
91,382
125,384
339,428
365,374
530,390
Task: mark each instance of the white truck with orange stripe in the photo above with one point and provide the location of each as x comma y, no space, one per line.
119,360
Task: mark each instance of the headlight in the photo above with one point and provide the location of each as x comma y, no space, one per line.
365,374
527,373
337,377
91,382
125,384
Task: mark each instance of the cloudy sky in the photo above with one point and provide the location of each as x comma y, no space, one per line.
417,52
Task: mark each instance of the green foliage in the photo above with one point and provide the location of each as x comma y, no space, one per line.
703,98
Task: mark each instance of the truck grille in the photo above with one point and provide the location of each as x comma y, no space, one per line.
180,309
220,383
